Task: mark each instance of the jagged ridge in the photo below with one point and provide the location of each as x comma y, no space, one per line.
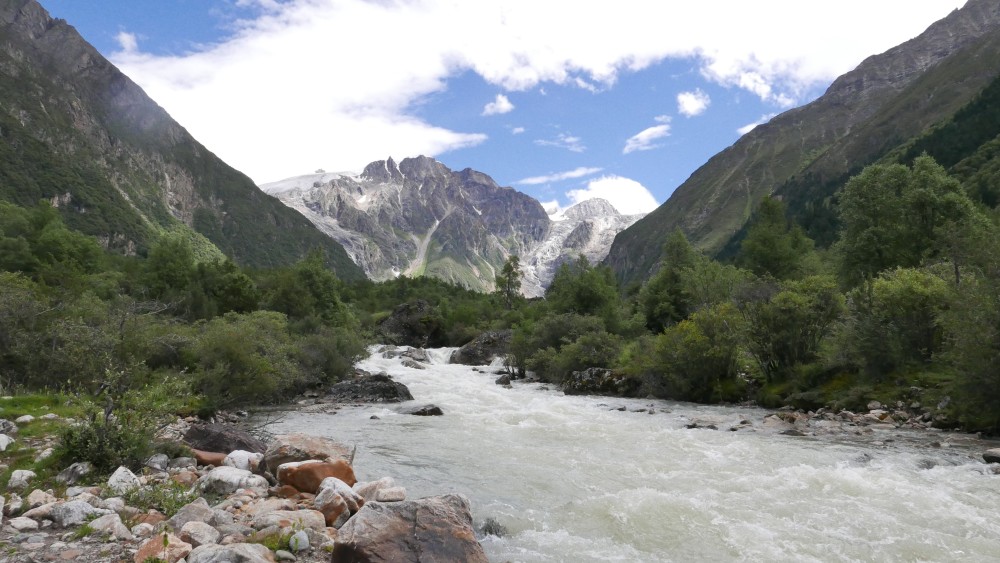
418,217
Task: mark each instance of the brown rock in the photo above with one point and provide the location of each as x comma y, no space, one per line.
429,529
186,478
333,507
174,551
214,459
285,491
153,517
306,476
288,448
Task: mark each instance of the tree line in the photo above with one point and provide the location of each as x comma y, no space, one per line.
907,298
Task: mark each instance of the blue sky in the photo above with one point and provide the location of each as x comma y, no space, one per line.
562,100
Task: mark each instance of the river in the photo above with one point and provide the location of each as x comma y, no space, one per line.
576,479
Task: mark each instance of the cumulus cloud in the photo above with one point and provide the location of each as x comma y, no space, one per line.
517,130
128,42
498,106
646,139
628,196
750,126
313,85
563,141
560,176
692,103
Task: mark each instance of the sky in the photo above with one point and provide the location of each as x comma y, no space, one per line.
563,100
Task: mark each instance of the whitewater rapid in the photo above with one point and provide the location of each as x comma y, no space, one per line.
577,479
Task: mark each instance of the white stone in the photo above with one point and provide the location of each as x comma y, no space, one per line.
370,489
13,506
242,552
391,494
38,497
241,459
302,518
23,524
24,419
111,524
142,530
49,416
41,512
354,500
44,454
19,479
226,480
199,533
299,541
74,512
5,441
123,481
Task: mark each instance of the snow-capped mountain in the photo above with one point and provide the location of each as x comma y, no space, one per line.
418,217
587,228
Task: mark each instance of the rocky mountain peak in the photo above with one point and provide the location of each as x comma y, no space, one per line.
423,167
591,208
383,172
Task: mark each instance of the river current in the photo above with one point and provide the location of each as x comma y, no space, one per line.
577,479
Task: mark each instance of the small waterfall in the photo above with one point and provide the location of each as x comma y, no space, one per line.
440,356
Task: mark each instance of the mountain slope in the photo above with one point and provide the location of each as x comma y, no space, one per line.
585,229
77,132
420,218
805,153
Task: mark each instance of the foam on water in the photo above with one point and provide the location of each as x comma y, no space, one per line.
573,478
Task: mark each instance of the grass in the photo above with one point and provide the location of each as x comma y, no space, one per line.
21,454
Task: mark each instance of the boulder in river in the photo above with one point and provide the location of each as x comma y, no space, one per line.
415,324
992,455
426,410
428,529
483,349
599,381
223,438
378,388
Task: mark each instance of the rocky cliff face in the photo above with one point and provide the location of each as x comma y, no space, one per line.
80,134
887,99
418,217
586,229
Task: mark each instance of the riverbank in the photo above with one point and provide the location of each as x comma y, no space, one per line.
295,499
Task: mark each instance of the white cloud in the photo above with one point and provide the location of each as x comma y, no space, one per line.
627,195
750,126
563,141
692,103
498,106
517,130
644,140
128,42
662,119
558,177
303,83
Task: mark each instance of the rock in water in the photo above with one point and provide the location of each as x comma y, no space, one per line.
992,455
378,388
222,438
483,349
415,324
426,410
599,381
428,529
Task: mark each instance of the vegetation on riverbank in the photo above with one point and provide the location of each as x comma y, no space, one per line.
906,298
